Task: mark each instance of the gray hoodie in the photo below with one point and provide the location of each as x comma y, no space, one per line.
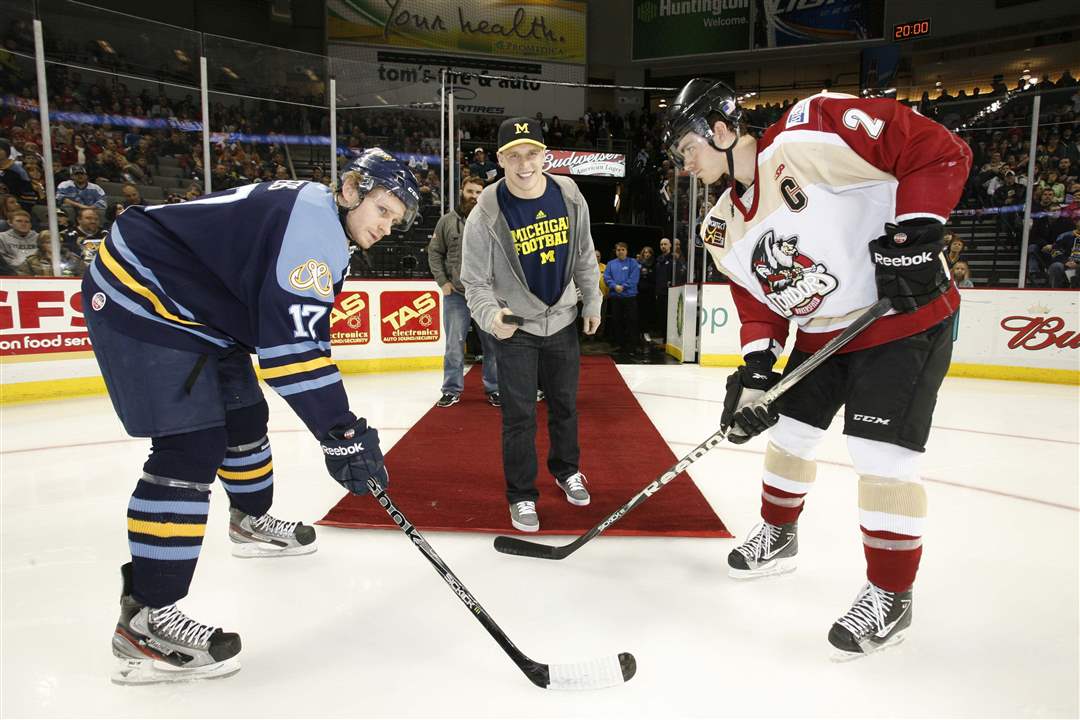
492,274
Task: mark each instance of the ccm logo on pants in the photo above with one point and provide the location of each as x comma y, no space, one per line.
871,419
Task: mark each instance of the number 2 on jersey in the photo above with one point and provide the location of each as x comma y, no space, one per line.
854,118
313,313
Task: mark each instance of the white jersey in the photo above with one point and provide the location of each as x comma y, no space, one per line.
829,176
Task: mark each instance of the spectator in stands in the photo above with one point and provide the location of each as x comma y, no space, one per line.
622,276
444,259
40,263
317,175
647,290
20,241
1065,258
78,193
13,177
961,274
86,236
665,269
131,197
678,273
954,246
8,205
482,167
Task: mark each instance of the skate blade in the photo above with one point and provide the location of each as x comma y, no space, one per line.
775,567
842,656
259,550
151,672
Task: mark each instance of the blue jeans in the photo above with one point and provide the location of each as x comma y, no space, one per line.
456,321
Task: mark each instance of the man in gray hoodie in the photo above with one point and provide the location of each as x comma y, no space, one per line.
444,259
527,251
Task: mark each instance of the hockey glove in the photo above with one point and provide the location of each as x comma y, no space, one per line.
352,456
742,417
908,265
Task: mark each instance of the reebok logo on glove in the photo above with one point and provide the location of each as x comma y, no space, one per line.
905,261
348,450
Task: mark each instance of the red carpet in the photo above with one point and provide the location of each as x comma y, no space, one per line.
446,473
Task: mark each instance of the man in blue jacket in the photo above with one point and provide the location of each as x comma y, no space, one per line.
621,276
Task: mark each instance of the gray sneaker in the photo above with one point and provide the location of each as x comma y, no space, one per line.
523,516
574,487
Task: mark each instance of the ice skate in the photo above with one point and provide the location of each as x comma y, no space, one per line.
266,536
162,645
878,619
769,550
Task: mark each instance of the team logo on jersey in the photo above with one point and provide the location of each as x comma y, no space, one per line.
792,282
312,274
98,301
715,232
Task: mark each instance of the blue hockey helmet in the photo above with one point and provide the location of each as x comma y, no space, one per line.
378,167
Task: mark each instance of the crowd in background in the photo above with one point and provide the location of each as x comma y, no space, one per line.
160,157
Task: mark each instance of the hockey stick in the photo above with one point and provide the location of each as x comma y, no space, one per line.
517,546
591,675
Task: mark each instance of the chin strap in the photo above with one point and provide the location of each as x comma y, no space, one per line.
343,212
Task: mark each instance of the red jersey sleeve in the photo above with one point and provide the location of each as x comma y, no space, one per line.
930,162
761,328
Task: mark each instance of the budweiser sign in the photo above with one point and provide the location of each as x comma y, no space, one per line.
1038,332
573,162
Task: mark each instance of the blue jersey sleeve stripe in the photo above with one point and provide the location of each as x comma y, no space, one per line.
135,309
283,379
304,386
126,253
293,349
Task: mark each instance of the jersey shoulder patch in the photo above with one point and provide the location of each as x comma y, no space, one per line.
314,250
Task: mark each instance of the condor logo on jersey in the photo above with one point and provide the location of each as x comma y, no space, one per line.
792,282
312,274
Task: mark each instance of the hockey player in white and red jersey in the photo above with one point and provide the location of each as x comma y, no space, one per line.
843,201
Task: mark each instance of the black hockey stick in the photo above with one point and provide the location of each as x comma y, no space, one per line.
518,546
590,675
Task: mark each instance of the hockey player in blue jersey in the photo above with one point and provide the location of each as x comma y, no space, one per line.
177,300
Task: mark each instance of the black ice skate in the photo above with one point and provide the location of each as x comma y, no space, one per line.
266,536
160,645
876,621
769,550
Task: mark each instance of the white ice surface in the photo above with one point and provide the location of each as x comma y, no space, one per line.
364,627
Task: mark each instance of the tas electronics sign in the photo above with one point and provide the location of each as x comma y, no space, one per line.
350,322
572,162
42,316
409,316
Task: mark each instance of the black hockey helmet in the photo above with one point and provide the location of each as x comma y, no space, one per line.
699,104
378,167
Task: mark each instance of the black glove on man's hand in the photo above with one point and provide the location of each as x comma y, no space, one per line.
353,455
745,386
907,263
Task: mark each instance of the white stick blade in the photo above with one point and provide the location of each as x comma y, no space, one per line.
589,675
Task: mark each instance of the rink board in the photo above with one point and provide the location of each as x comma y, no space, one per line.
396,325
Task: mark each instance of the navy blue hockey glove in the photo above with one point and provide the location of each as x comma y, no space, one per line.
741,416
908,265
353,455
